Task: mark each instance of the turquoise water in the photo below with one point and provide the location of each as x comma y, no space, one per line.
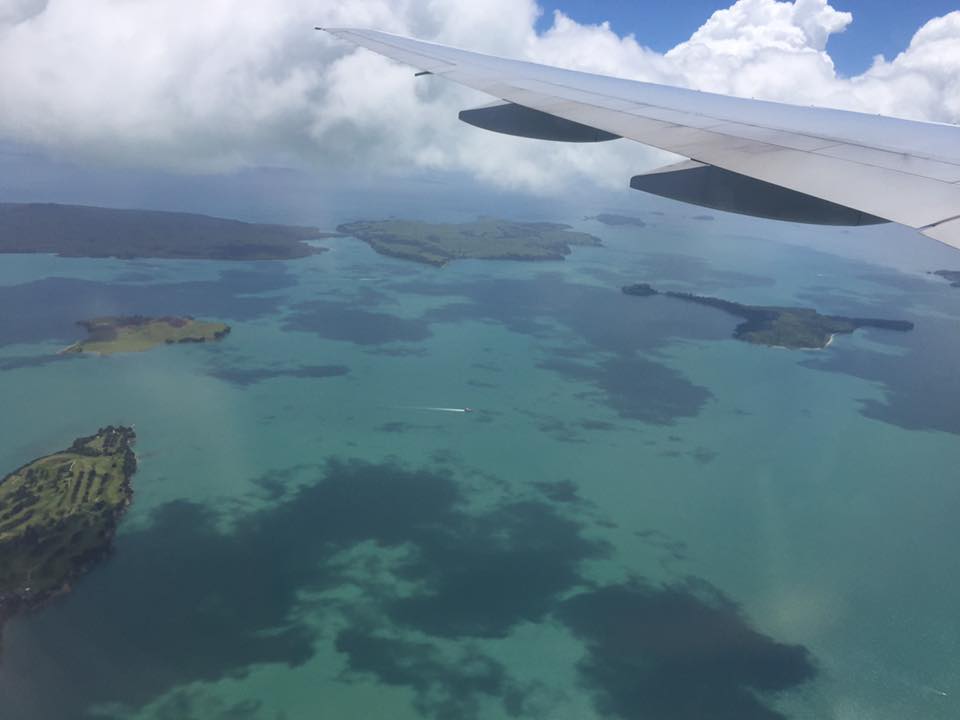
641,518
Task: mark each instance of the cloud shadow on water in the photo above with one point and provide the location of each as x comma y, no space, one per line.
446,686
343,321
678,652
196,597
592,321
250,376
922,390
638,388
184,600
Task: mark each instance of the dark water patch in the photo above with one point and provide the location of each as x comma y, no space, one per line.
561,491
27,361
922,386
177,603
446,687
49,309
703,455
361,295
674,549
638,388
589,424
495,570
488,366
445,457
280,482
190,598
395,351
396,427
189,705
559,430
342,321
678,652
250,376
481,384
603,318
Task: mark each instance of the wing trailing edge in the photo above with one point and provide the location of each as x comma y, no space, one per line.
708,186
834,165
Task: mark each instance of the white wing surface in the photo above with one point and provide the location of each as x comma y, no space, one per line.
756,157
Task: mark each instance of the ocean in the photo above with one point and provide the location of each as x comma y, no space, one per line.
641,517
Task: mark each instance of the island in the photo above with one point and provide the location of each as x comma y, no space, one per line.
792,328
484,239
137,333
85,231
617,220
953,276
58,516
639,290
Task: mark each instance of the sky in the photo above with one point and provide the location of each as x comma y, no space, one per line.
882,27
221,88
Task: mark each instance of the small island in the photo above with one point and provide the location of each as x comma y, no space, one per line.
792,328
136,333
639,290
96,232
615,220
952,276
58,516
485,239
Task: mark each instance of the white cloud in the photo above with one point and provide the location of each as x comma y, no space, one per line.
212,85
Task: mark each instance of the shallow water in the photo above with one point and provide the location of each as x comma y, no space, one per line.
641,516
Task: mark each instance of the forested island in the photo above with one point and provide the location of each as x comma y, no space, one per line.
794,328
485,239
83,231
58,516
137,333
953,276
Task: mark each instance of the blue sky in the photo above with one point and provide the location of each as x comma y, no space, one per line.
879,26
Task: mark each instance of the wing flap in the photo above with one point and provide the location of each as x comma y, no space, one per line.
709,186
899,170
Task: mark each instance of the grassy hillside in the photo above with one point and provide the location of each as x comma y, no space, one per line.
58,515
137,333
484,239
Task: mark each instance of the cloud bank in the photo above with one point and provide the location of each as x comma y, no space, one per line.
217,85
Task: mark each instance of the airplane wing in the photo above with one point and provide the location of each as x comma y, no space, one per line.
789,162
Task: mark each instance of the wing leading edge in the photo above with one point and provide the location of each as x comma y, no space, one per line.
810,164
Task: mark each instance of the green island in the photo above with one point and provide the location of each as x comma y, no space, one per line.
136,333
84,231
484,239
793,328
617,220
58,516
953,276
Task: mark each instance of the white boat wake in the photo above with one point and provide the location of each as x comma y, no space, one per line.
435,409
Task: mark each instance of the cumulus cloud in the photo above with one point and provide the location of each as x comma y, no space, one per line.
216,85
